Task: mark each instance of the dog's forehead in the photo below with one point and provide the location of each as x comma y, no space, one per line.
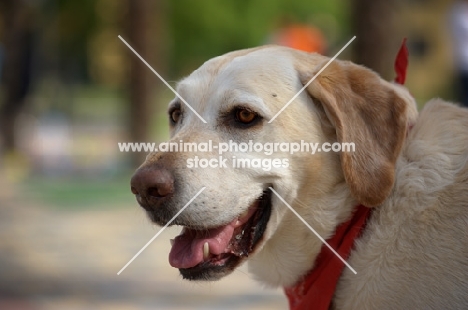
241,67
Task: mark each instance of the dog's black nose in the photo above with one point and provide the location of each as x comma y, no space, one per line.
151,186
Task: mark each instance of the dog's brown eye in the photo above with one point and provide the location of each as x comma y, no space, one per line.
175,115
245,116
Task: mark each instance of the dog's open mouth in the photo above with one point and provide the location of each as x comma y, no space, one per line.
213,253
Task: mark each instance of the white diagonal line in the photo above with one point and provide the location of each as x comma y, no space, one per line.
305,86
160,231
313,230
161,78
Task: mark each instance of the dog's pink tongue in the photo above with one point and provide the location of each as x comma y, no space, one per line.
187,250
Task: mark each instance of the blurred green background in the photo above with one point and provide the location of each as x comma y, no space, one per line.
71,90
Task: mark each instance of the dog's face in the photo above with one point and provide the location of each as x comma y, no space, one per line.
237,215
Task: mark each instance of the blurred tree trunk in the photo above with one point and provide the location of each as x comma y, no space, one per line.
16,71
140,112
373,23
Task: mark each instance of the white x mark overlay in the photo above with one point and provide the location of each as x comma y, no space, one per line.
311,80
313,230
201,118
163,80
161,230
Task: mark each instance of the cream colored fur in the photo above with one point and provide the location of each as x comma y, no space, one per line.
414,251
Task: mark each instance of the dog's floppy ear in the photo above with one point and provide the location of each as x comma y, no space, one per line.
368,111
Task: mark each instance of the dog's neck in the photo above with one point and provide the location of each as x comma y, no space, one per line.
295,246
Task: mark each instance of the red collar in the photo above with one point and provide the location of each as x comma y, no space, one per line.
318,287
401,63
401,66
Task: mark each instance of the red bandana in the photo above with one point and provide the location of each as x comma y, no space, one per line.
316,290
401,63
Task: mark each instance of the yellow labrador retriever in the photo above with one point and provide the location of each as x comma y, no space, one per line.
409,171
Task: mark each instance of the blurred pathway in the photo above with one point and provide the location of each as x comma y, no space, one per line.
62,259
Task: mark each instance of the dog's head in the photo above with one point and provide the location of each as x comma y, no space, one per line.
237,215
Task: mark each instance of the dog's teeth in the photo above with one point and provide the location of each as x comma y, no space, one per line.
206,250
172,242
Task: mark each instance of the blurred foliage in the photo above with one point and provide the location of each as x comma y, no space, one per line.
79,38
65,27
199,30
